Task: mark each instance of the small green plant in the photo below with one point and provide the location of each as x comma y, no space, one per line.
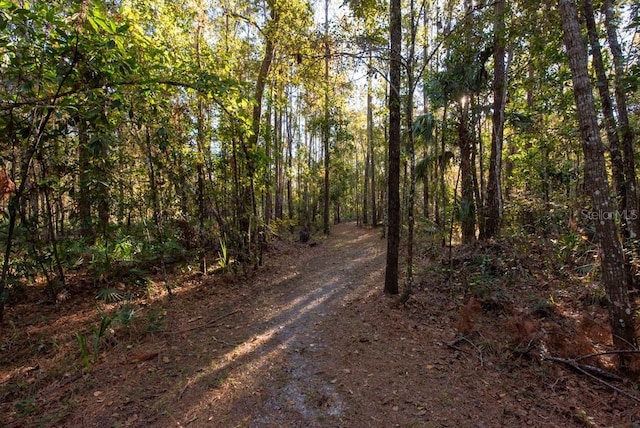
156,320
110,295
485,263
126,314
84,351
105,322
97,334
567,246
124,249
223,256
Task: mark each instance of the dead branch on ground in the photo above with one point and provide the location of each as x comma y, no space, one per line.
594,373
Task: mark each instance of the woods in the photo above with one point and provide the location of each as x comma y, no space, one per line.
140,136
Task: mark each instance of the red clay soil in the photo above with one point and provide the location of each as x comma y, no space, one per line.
310,341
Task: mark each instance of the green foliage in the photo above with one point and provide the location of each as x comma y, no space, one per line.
464,210
97,333
223,256
125,249
429,237
126,314
567,246
84,350
424,127
110,295
74,252
155,320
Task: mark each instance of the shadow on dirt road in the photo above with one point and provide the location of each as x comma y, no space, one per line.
282,373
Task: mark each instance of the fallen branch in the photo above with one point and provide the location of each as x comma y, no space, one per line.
590,370
453,345
618,351
596,371
208,324
224,342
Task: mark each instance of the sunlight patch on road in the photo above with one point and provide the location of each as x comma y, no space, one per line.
250,361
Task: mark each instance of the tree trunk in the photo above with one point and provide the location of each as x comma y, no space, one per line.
626,131
277,148
372,163
412,153
326,128
477,150
290,208
201,139
493,207
268,197
441,202
425,111
614,275
365,193
84,189
103,190
248,209
466,206
53,240
393,186
617,166
369,171
153,182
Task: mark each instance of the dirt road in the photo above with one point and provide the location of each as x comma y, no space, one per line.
289,372
311,341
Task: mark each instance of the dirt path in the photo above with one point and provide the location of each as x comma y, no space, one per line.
288,372
269,361
308,341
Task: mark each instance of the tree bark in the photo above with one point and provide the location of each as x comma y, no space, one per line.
614,275
201,139
289,163
368,162
268,197
326,128
84,190
626,132
494,186
425,111
393,180
467,207
411,152
371,155
277,147
617,166
365,192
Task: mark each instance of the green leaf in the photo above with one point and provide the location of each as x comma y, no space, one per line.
110,295
123,28
93,23
120,45
109,27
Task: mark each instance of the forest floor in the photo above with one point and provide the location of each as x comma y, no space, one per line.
310,340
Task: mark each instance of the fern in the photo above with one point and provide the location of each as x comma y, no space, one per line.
82,342
110,295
